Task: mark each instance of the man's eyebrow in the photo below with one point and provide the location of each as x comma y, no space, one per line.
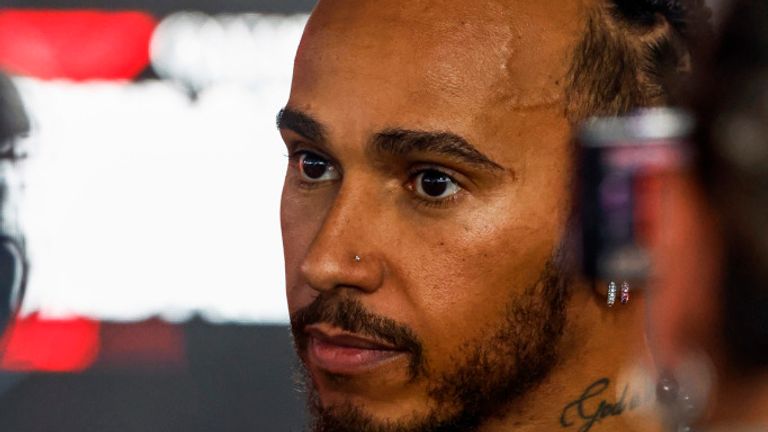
402,141
301,123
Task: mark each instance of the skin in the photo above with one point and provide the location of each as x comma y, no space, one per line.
493,73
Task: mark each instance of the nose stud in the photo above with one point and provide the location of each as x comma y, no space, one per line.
357,258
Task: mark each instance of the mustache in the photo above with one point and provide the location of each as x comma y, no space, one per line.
349,314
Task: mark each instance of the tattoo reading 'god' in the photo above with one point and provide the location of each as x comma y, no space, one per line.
590,412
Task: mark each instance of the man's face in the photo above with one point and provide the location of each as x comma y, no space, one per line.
424,206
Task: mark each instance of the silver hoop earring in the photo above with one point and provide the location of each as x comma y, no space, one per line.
625,292
611,294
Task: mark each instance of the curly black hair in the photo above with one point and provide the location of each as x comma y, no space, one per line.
679,13
634,53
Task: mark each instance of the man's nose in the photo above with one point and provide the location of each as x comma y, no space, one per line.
344,252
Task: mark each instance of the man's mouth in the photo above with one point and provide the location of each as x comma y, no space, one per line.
342,353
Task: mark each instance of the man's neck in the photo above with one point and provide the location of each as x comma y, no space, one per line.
598,383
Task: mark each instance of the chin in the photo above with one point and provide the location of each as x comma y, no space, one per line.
378,396
367,402
351,416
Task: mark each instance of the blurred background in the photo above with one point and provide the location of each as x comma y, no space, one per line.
149,200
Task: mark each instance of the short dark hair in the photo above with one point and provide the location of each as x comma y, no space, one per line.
632,55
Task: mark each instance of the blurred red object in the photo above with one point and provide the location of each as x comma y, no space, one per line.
151,344
75,44
35,344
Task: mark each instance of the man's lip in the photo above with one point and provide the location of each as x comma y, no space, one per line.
344,353
335,336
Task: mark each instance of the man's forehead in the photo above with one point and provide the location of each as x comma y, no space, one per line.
512,51
443,15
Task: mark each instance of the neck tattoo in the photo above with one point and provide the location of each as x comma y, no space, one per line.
591,407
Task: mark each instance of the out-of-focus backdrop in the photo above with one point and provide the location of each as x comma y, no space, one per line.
149,201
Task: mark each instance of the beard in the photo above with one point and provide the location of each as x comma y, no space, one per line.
491,372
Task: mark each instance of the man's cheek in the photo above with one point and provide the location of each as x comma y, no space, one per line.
301,219
298,298
297,237
472,282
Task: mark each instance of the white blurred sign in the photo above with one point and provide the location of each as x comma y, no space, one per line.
140,201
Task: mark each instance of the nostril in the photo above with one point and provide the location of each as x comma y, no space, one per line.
321,272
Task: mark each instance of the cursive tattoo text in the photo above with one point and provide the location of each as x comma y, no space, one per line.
590,410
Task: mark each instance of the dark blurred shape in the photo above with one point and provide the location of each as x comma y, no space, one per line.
12,278
621,161
13,119
236,378
733,167
164,7
13,264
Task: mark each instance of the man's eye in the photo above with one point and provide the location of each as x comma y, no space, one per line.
434,185
315,168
